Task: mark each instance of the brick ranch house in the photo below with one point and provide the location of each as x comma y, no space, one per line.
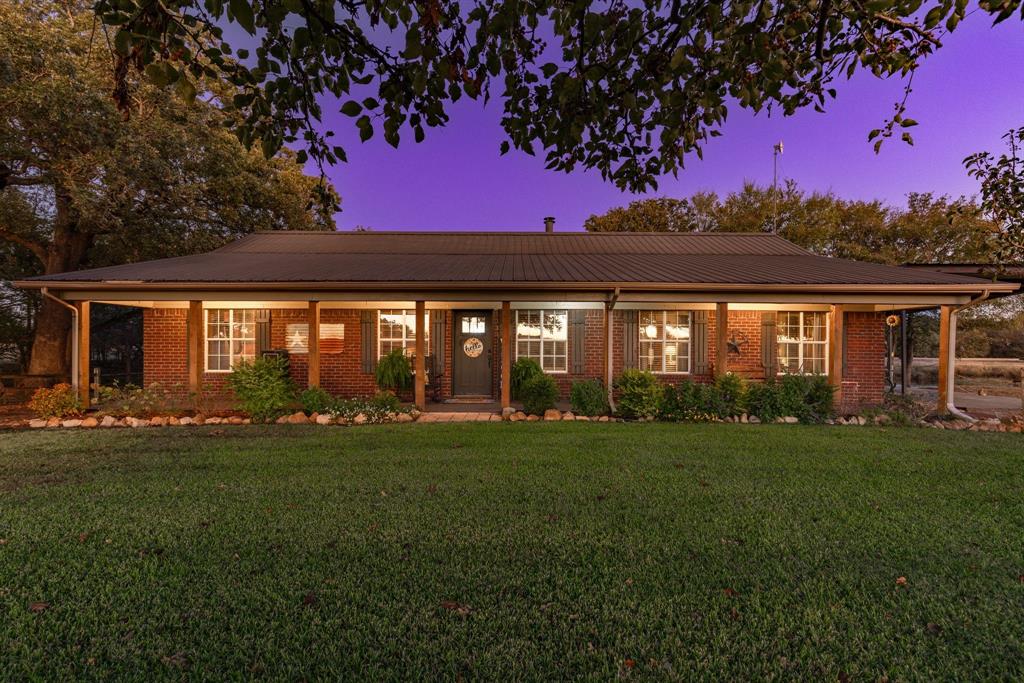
467,305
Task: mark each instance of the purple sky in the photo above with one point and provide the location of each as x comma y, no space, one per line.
965,97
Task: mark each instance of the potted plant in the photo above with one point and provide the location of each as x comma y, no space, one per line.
394,372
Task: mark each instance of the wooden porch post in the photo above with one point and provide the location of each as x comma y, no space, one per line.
609,356
947,356
194,342
506,355
835,348
83,353
420,370
313,375
721,339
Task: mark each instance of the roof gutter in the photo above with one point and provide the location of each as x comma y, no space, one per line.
74,336
951,370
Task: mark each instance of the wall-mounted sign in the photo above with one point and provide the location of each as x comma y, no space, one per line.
472,347
332,338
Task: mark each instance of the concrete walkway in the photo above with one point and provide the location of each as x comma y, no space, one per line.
461,416
972,403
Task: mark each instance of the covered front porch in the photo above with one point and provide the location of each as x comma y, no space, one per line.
462,347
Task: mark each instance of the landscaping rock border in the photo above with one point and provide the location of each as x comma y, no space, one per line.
1013,424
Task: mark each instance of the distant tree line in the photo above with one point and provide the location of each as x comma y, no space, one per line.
928,229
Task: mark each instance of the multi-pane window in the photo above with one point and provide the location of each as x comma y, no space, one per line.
665,341
803,342
230,337
397,330
543,335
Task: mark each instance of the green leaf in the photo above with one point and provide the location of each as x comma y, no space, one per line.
156,74
123,41
186,90
351,108
243,14
906,137
365,128
907,123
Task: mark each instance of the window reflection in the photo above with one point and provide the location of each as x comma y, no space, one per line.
542,335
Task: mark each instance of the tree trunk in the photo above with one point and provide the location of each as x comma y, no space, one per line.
53,322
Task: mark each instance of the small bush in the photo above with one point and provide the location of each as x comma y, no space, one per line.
817,397
764,399
394,372
60,400
523,370
729,394
134,401
589,398
539,394
640,394
809,398
262,387
375,409
687,402
316,400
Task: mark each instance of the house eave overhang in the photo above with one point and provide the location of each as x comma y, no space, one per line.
113,286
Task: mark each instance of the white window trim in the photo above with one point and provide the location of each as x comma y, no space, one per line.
230,339
540,360
406,312
800,344
664,340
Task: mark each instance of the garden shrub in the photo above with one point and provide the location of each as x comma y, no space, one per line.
640,394
686,402
262,387
376,409
538,394
764,399
589,398
130,400
809,398
523,370
60,400
728,395
394,372
316,400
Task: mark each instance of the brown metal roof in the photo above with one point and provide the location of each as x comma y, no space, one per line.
495,258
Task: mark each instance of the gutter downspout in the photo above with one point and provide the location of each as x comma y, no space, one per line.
45,291
951,373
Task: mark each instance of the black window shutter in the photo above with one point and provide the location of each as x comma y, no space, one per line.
699,342
630,339
577,338
769,344
368,339
437,343
262,331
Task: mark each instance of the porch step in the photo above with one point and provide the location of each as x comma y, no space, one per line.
470,399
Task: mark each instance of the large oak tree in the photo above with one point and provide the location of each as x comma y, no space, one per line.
628,88
83,185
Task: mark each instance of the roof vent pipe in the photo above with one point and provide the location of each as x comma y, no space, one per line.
549,223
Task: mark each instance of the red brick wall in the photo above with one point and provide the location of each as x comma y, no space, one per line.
165,355
164,334
864,374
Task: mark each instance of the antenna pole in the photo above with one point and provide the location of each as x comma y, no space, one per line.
776,151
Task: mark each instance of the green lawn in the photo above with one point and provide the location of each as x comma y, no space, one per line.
512,551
